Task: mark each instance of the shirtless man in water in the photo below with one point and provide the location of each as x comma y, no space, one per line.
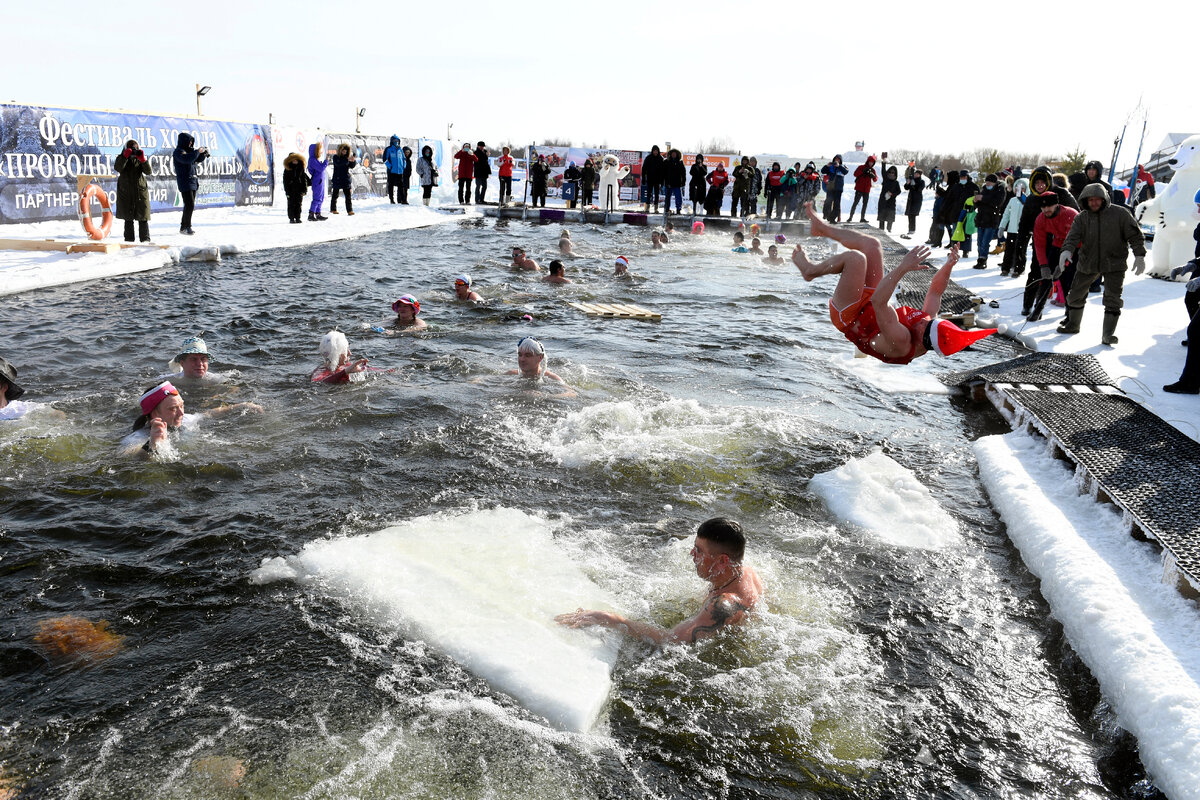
860,307
734,591
522,261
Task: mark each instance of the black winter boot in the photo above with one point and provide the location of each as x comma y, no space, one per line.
1109,336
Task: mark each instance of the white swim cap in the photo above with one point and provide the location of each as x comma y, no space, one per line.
333,347
531,346
464,279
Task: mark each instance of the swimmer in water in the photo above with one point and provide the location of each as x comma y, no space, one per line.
463,291
622,267
739,243
522,261
756,246
531,365
163,415
734,590
191,365
557,273
860,306
10,406
656,240
407,308
773,256
339,366
669,228
564,243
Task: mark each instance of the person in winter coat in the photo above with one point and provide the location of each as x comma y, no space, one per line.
571,184
864,176
716,191
989,205
343,162
539,174
889,190
742,176
915,184
185,158
674,178
652,179
483,169
1102,235
1091,173
1040,182
697,191
295,185
789,198
587,180
317,164
956,197
808,184
466,172
835,180
504,169
774,190
756,184
427,174
1145,184
1050,230
1010,224
406,178
133,194
394,160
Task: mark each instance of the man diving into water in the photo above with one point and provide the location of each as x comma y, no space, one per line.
717,554
860,306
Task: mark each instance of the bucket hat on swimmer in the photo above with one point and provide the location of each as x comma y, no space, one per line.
948,338
9,373
193,344
150,400
463,279
407,300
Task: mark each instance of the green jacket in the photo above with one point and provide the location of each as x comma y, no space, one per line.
1102,238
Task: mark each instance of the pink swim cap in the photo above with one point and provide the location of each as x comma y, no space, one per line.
780,238
697,227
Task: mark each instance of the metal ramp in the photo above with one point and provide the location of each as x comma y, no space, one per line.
1122,452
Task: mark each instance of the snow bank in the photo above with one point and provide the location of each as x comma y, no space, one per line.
888,500
229,230
1140,638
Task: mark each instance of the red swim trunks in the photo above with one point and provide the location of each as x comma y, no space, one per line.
857,321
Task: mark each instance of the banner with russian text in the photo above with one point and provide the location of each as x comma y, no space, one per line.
45,151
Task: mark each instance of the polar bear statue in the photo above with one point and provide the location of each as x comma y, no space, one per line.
611,174
1173,212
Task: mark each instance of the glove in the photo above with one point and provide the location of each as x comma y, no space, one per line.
1193,285
1063,260
1047,274
1175,273
141,156
126,152
1139,265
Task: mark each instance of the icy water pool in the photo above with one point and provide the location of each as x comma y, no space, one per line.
881,667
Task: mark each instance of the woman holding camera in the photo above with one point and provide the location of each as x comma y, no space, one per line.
133,194
186,157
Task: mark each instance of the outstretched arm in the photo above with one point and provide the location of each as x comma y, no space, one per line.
885,315
717,612
933,298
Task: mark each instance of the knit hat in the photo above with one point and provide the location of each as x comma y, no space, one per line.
964,173
9,373
947,338
407,299
150,400
991,178
1049,199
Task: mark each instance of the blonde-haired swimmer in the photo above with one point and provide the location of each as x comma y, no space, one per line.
531,364
339,366
564,243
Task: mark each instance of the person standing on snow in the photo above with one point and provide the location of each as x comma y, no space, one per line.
483,169
697,192
343,162
587,181
1090,174
756,185
835,181
742,176
317,163
674,177
394,160
133,193
888,192
652,179
504,169
952,206
427,174
988,208
539,175
1103,235
571,177
186,157
1040,182
915,185
808,184
774,189
1010,223
466,172
864,176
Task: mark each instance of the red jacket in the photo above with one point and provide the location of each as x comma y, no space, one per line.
774,177
864,176
506,164
466,164
1057,228
718,178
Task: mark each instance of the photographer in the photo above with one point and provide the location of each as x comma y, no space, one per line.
426,173
186,157
133,195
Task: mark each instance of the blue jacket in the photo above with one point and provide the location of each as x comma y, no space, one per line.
393,157
186,157
317,170
837,176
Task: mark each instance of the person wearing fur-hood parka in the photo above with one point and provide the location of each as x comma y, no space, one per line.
295,185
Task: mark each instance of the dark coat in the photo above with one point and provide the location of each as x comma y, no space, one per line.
956,197
186,157
674,173
133,195
887,205
697,190
538,174
652,170
483,167
341,170
915,186
295,179
587,176
835,175
1103,238
1029,213
989,206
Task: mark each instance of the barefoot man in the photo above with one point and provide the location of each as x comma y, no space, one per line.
860,306
734,589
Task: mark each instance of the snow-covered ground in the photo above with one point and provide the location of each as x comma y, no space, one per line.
1139,637
228,230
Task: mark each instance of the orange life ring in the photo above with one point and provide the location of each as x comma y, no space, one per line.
85,212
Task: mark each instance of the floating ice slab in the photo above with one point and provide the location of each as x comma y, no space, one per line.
484,588
889,501
1139,637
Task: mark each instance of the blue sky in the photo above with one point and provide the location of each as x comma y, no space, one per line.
772,77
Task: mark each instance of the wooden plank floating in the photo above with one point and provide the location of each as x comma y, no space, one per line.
616,311
69,246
